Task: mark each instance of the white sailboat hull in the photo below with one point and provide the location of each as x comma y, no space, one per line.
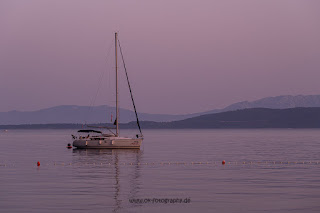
108,143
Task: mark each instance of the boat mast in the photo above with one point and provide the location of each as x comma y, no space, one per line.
117,106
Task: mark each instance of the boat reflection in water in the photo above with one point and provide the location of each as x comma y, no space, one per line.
116,170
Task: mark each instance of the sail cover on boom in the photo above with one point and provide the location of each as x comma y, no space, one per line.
89,130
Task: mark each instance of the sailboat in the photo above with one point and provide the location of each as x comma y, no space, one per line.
95,139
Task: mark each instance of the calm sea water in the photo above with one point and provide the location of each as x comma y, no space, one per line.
265,171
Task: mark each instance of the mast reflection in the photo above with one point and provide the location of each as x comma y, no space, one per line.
126,176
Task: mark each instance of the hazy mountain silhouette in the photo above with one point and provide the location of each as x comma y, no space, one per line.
78,114
300,117
277,102
102,114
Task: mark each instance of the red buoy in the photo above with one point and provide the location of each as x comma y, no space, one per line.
69,146
38,163
223,162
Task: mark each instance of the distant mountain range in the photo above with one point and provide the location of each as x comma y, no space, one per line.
279,102
300,117
79,114
101,114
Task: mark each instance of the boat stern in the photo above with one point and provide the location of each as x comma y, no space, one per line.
80,143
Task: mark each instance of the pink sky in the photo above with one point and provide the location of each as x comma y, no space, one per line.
182,56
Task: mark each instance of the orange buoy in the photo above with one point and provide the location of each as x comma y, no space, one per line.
38,163
223,162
